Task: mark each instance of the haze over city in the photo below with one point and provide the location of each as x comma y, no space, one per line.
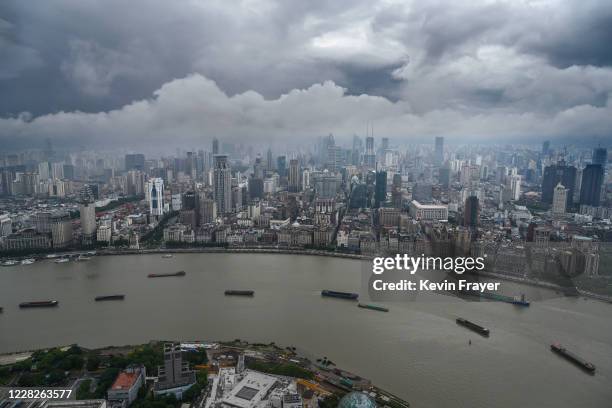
122,74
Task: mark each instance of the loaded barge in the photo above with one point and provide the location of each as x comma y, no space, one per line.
568,355
341,295
165,275
43,303
239,293
373,307
515,300
109,297
473,326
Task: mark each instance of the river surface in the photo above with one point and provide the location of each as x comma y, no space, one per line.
416,350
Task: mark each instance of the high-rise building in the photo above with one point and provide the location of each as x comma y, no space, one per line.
135,161
559,204
380,192
281,166
44,171
61,230
207,210
555,174
471,212
222,183
439,151
590,187
174,377
294,175
444,176
515,187
215,146
369,158
87,214
269,160
546,147
155,196
600,156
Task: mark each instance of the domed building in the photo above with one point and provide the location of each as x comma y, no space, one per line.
356,400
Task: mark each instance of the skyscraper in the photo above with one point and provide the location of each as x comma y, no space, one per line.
222,184
439,151
215,146
134,161
555,174
294,175
559,204
600,156
471,212
380,192
87,214
369,158
515,187
269,160
155,196
281,166
546,147
590,187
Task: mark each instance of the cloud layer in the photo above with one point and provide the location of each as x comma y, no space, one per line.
127,72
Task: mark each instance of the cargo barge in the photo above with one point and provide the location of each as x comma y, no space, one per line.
515,300
341,295
473,326
373,307
239,293
568,355
165,275
109,297
43,303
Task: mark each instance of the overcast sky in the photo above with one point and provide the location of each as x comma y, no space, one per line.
123,73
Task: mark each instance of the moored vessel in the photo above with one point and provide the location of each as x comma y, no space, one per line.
239,292
28,261
473,326
41,303
109,297
167,256
62,260
568,355
341,295
165,275
10,262
373,307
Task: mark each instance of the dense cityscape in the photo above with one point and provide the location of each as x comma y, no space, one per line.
538,213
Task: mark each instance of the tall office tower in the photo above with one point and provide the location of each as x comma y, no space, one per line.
515,187
69,171
87,210
44,172
61,230
471,212
555,174
356,152
174,377
444,176
269,160
326,185
439,151
57,171
135,182
281,166
334,158
294,175
559,204
256,188
385,144
135,161
207,209
369,158
188,214
590,187
190,165
600,156
29,183
222,183
215,146
546,148
155,196
380,192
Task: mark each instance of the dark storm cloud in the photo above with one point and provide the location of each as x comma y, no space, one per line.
87,69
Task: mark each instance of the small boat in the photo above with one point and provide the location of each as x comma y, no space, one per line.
52,256
109,297
28,261
62,260
165,275
341,295
239,293
82,258
373,307
167,256
42,303
10,262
